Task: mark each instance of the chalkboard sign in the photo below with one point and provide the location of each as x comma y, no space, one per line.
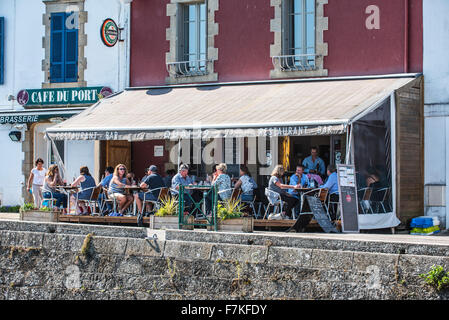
320,215
348,198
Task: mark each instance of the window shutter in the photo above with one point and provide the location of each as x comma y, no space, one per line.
2,49
71,53
57,46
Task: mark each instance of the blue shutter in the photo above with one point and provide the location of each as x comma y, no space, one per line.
57,46
2,49
71,53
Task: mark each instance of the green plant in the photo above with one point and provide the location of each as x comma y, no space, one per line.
230,209
436,277
9,208
45,209
169,207
27,206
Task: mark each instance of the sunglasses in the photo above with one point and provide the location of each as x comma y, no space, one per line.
122,169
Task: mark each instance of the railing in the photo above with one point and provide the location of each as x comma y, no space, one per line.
296,62
188,68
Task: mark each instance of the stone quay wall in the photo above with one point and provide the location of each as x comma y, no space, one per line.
68,261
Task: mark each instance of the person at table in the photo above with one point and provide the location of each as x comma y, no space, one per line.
131,179
108,173
170,173
313,163
223,183
332,183
36,181
182,178
299,177
276,184
51,182
116,188
87,184
246,183
152,181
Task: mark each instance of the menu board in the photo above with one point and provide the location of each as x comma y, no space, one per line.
348,198
320,215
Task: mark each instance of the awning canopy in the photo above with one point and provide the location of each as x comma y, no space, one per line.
284,108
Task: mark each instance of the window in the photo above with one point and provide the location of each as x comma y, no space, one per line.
299,35
2,49
193,39
63,48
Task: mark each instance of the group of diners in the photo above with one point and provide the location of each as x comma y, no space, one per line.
307,175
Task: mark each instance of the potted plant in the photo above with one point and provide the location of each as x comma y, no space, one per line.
166,217
231,216
29,213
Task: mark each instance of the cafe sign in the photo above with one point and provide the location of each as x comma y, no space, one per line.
62,96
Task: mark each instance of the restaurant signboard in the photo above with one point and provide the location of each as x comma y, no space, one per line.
62,96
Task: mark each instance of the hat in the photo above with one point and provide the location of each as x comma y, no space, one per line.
152,168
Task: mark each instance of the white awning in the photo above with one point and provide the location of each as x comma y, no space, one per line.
283,108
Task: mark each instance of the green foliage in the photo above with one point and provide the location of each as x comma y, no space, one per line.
169,207
230,209
436,277
45,209
9,209
27,207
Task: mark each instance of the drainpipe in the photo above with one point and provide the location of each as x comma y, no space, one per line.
406,35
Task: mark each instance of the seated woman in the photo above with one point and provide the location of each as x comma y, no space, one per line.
275,184
223,183
116,188
87,184
51,181
246,183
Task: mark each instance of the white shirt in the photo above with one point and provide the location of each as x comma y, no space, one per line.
38,176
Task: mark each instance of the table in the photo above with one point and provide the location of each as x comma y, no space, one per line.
302,191
69,190
131,190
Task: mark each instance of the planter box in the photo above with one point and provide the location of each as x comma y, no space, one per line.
42,216
244,224
168,222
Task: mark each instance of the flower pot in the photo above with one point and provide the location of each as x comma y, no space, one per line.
243,224
37,215
169,222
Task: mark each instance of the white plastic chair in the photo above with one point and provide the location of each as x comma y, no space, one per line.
274,200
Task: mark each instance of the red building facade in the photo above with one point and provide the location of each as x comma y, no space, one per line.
362,38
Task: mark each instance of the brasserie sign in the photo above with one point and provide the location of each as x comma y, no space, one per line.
62,96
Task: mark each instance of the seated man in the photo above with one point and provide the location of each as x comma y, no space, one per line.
152,181
105,184
298,178
182,178
332,184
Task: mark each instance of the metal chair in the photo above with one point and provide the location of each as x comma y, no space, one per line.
163,195
274,200
92,201
381,198
365,199
50,200
106,199
251,203
333,203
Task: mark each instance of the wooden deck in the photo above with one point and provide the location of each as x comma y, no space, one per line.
101,219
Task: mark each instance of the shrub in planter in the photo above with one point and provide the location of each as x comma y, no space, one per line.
232,218
29,213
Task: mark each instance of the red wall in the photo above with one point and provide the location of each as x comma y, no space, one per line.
148,42
142,156
355,50
244,39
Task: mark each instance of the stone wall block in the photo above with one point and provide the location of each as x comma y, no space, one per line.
144,247
329,259
290,256
187,250
251,254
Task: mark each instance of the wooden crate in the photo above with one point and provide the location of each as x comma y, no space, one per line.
41,216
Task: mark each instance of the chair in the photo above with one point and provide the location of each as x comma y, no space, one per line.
251,204
106,199
381,197
333,203
46,201
365,199
274,200
235,194
92,201
163,194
